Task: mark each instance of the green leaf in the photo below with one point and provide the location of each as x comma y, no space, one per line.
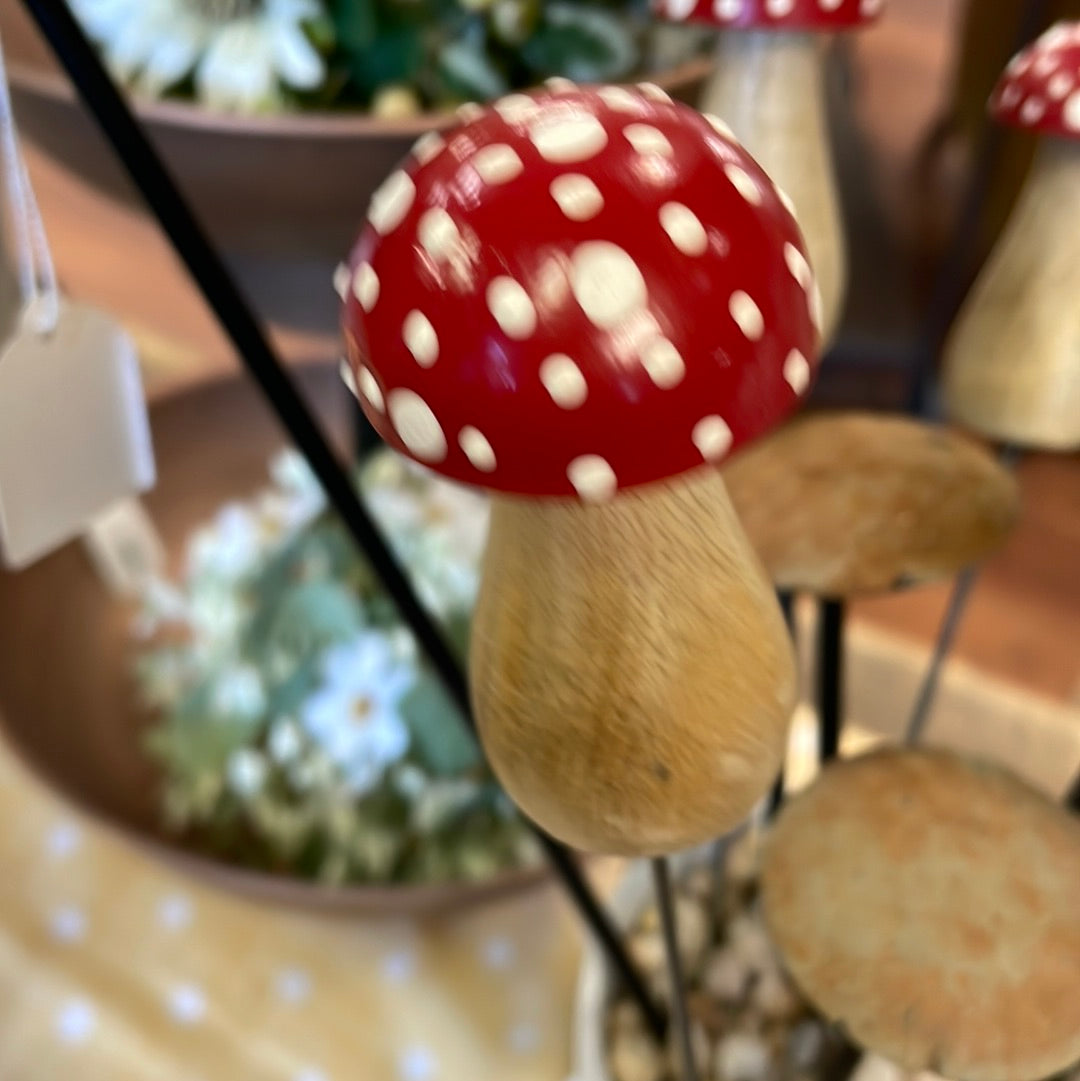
584,44
439,736
356,22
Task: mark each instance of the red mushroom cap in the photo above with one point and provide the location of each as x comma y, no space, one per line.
579,291
1040,88
824,15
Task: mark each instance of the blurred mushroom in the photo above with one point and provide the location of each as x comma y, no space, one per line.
535,310
769,86
1012,361
928,903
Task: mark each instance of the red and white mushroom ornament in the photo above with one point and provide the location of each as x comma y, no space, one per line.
1012,362
768,84
582,299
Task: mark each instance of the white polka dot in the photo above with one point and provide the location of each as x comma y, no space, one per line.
416,425
417,1064
1011,95
63,840
497,164
786,201
743,183
469,112
516,108
816,306
563,138
437,232
778,9
365,286
1059,85
512,308
186,1004
370,389
309,1073
727,9
499,952
593,479
870,7
1071,111
75,1021
578,197
646,139
620,99
391,203
607,283
829,5
680,9
428,147
398,967
563,380
68,924
345,371
175,912
477,449
523,1038
684,228
712,437
798,266
1044,65
293,986
797,371
420,338
664,363
1033,110
558,85
720,127
747,314
341,280
651,90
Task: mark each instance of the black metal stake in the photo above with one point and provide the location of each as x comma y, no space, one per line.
830,677
787,606
157,187
680,1018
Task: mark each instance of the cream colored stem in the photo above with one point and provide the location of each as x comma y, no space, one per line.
632,675
770,88
1012,362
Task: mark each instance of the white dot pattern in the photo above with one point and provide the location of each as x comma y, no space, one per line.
797,371
510,305
347,376
684,228
564,139
1059,86
563,380
829,5
391,203
712,436
365,286
420,338
779,9
557,84
477,449
497,163
664,363
1071,111
516,108
720,126
743,183
620,99
428,147
607,283
787,201
727,9
656,93
469,112
747,315
76,1021
1033,110
341,280
798,266
593,479
578,197
680,9
370,389
437,232
416,425
646,139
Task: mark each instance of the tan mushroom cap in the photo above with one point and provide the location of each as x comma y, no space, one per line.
931,905
839,504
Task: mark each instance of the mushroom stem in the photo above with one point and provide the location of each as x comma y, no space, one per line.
632,675
769,86
1012,362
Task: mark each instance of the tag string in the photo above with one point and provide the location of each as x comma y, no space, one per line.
34,265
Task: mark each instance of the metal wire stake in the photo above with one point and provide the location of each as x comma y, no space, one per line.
680,1018
830,686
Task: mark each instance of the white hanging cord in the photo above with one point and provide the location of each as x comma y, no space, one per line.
34,265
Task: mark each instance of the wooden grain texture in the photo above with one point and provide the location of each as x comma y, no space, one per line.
1012,361
927,902
632,675
841,504
769,87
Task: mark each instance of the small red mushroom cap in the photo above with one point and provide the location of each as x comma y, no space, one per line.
823,15
1040,88
578,291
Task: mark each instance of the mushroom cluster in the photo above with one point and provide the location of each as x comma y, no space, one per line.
574,296
769,85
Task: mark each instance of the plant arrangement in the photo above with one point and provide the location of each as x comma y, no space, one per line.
296,726
394,57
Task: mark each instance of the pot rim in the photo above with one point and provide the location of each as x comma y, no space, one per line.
34,79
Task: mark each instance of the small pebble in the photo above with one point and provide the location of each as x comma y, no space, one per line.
647,950
741,1056
634,1056
725,975
750,942
805,1045
876,1068
775,997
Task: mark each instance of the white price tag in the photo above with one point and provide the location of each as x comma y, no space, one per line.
125,548
74,434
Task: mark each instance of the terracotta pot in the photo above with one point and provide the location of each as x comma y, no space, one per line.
67,706
289,190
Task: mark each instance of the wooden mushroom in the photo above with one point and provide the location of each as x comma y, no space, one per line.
769,86
1012,361
582,300
928,904
842,504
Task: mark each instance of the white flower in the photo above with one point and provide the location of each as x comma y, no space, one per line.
285,741
227,549
246,772
294,477
354,717
239,51
239,692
